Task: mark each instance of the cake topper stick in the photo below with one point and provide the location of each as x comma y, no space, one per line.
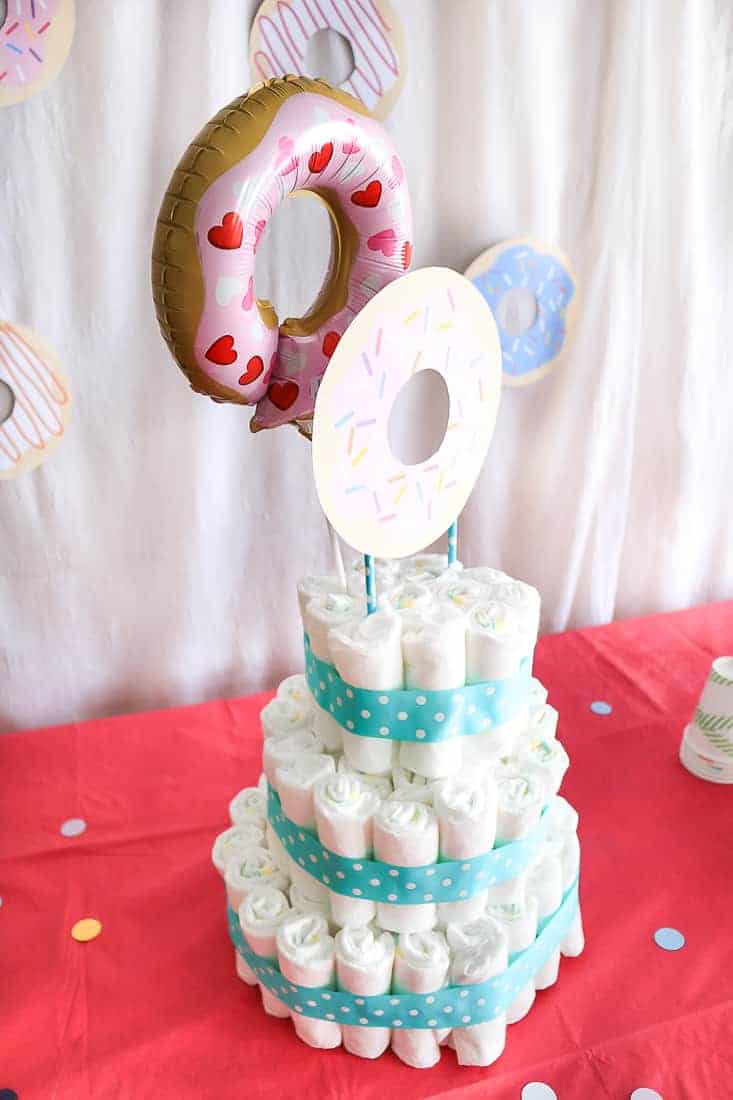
370,588
452,542
337,556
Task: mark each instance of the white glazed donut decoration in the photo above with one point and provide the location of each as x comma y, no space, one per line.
35,39
431,319
41,401
282,28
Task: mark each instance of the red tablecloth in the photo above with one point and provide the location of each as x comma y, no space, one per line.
152,1007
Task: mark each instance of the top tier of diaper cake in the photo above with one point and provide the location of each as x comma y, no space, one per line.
409,813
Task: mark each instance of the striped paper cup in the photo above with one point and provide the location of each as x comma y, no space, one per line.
713,718
701,759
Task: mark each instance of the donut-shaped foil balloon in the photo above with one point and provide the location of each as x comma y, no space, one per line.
285,136
35,39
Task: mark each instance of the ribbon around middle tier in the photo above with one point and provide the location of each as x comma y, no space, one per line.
421,716
452,1006
452,880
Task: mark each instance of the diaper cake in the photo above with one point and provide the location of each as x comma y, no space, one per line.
404,874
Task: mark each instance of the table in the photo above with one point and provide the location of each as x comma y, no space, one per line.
152,1009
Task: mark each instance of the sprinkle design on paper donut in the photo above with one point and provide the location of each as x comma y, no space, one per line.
34,42
41,401
432,319
530,290
282,28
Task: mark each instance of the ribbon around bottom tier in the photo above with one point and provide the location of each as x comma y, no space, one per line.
421,716
451,880
452,1006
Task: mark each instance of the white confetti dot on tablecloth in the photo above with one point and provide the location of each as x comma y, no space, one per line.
669,939
600,706
74,826
645,1094
537,1090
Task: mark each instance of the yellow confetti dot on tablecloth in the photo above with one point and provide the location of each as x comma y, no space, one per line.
87,929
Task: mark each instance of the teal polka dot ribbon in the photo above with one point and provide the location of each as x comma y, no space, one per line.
453,1006
452,880
417,715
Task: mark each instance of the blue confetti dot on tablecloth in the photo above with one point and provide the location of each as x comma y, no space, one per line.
536,1090
669,939
8,1094
599,706
75,826
646,1094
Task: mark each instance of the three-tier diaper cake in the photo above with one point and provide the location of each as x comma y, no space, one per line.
405,873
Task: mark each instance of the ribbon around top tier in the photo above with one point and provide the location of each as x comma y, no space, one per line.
452,1006
452,880
421,716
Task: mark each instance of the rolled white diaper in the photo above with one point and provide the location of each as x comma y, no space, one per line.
563,817
543,721
327,728
510,890
486,575
367,654
380,784
249,806
537,694
386,574
544,884
466,812
278,752
421,966
260,915
520,798
311,586
364,961
326,611
345,809
302,902
308,886
234,841
295,782
407,595
306,956
283,717
519,921
276,849
406,835
435,564
411,787
462,592
481,1044
526,600
434,653
253,867
545,758
574,942
495,642
295,689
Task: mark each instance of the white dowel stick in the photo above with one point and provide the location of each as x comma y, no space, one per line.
337,556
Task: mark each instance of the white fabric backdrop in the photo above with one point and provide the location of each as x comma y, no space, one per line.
153,560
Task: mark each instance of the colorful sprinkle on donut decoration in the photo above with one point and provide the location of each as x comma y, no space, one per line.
35,39
432,319
285,136
531,291
34,401
282,29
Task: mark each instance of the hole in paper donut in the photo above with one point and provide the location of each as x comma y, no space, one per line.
419,417
722,665
329,54
7,397
517,310
294,255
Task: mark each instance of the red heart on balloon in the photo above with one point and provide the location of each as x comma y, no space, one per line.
229,233
369,197
406,255
222,351
255,367
319,160
330,342
283,394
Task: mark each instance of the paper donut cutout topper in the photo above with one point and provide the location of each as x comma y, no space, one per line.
35,39
282,29
531,290
431,319
39,401
285,136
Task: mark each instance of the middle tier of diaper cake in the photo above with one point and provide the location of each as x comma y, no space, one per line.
406,873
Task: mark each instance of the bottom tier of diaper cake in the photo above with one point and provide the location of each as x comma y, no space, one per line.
407,908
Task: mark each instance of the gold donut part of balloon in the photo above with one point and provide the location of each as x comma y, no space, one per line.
178,283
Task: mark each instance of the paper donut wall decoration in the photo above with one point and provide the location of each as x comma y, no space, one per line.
283,137
431,319
282,29
35,39
532,293
35,393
